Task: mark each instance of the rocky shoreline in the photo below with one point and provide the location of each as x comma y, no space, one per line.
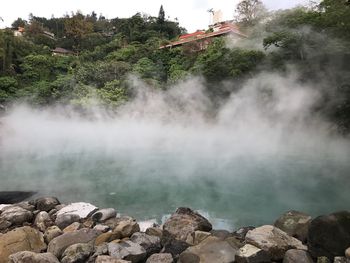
45,231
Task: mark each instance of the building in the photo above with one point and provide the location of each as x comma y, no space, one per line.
58,51
200,39
18,32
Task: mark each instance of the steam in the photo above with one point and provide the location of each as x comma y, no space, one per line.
163,139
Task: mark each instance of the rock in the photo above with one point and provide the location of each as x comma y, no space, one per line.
127,228
32,257
14,215
82,210
295,255
273,240
109,259
43,221
347,253
196,237
62,221
171,245
295,224
242,232
104,214
150,243
102,228
11,197
99,251
323,260
77,253
46,203
160,258
127,250
211,250
341,260
154,231
251,254
329,235
106,237
59,244
20,239
184,222
52,232
26,205
222,234
75,226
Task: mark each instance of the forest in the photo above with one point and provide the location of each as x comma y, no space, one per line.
106,54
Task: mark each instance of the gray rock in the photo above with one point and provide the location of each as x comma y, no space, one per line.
43,221
300,256
323,260
109,259
32,257
347,253
26,205
341,260
59,244
154,231
273,240
171,245
222,234
295,224
150,243
82,210
52,232
20,239
64,220
160,258
102,228
127,250
104,214
212,249
184,222
77,253
14,215
329,235
251,254
46,203
242,232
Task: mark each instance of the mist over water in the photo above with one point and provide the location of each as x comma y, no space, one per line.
261,153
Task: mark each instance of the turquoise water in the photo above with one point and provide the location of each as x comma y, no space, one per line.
233,191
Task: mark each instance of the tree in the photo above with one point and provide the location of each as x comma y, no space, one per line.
250,12
161,15
19,22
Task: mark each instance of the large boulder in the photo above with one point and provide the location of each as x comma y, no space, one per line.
43,221
211,250
160,258
127,250
150,243
295,224
184,222
46,203
77,253
104,214
73,213
59,244
32,257
20,239
295,255
251,254
14,216
127,227
329,235
273,240
52,232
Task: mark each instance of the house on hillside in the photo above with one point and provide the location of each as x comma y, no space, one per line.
200,39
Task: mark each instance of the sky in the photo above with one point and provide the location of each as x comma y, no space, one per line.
191,14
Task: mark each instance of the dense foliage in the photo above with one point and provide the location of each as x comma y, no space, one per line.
107,51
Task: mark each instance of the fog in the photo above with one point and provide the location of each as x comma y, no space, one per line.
263,149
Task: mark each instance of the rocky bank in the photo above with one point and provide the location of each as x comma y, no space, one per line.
46,231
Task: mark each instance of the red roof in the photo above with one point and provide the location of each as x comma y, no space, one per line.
198,33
